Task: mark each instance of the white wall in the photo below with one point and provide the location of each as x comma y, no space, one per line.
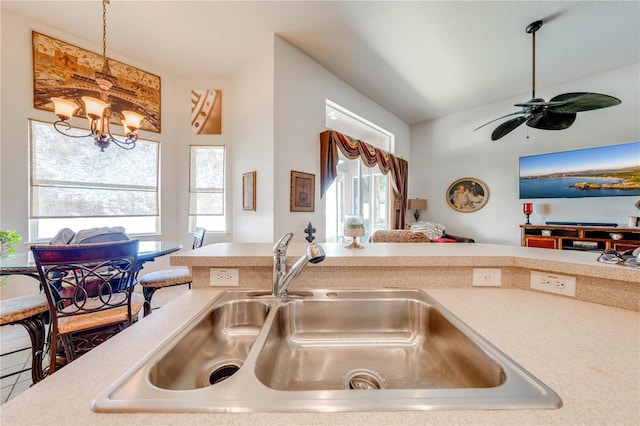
253,146
301,89
447,149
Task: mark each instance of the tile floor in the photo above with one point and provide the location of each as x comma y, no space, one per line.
14,338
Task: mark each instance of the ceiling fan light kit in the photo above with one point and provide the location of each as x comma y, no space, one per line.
558,113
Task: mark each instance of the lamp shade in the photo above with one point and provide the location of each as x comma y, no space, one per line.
132,120
64,108
417,204
94,108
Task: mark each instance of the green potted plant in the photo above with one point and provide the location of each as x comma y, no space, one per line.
7,239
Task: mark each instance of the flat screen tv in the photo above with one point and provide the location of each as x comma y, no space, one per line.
607,171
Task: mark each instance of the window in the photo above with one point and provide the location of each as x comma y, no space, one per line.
353,193
206,188
75,185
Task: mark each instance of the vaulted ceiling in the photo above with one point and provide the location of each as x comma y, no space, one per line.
418,59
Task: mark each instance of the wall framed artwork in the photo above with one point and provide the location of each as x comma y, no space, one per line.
303,191
467,195
206,112
249,191
64,70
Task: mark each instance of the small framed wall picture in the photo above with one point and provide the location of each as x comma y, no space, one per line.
303,188
249,191
467,195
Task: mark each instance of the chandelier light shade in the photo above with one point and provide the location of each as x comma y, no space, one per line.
98,111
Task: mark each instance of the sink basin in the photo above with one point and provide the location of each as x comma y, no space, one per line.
321,350
214,348
370,344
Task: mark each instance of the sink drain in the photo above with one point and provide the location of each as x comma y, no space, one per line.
363,380
223,373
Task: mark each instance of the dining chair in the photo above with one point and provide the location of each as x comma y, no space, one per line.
89,289
168,277
28,311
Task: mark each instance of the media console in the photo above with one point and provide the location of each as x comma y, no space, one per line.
567,237
588,224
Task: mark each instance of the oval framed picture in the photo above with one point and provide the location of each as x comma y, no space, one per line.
467,195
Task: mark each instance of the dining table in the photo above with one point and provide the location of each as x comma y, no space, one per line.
23,263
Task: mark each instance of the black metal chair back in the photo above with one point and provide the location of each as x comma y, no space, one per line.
89,287
198,237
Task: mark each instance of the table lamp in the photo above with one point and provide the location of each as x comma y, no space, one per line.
417,204
527,209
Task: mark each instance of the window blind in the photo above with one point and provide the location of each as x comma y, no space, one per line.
71,177
206,180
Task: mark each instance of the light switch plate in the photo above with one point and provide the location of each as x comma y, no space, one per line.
487,277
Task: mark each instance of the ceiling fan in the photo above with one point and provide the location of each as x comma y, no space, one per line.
556,114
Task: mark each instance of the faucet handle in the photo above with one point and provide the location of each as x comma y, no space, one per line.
283,243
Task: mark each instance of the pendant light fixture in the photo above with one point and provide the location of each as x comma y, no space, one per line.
98,111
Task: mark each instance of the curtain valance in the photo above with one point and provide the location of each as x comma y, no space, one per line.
331,141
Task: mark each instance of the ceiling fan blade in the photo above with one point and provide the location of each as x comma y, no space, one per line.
582,101
499,118
507,127
549,120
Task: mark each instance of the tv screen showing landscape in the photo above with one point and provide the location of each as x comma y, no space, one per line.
607,171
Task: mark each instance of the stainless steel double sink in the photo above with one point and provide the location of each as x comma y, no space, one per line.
325,350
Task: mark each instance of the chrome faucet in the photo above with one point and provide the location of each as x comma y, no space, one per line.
282,278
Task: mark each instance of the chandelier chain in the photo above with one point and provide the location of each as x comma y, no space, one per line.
104,29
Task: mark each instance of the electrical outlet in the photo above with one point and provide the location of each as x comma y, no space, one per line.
487,277
228,277
553,283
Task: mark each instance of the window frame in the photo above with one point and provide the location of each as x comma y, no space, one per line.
360,128
220,226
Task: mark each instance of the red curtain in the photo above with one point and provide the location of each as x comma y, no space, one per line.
331,141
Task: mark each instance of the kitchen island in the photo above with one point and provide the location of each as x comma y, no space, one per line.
587,352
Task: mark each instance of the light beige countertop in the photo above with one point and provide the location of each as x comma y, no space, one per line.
588,353
413,255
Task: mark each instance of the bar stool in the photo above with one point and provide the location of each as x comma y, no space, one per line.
168,277
28,311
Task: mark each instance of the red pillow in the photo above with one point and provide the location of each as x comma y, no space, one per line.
444,240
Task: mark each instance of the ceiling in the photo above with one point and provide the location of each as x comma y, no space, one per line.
418,59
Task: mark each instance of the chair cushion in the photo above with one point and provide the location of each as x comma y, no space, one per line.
19,308
101,318
166,278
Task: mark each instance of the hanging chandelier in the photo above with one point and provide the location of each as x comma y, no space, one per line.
98,111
